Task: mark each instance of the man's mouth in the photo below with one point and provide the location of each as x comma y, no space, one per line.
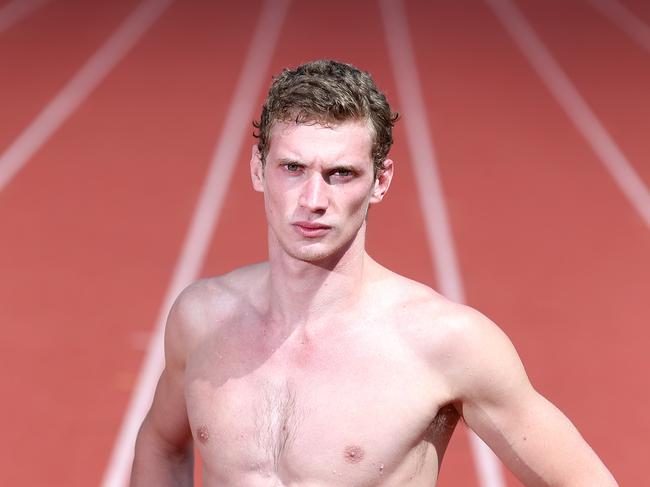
311,229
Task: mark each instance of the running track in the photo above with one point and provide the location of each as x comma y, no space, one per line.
95,222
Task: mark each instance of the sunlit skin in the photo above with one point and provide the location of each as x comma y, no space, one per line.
321,368
318,182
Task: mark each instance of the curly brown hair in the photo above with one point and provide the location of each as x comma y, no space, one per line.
327,92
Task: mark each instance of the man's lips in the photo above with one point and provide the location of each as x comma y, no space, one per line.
311,229
311,225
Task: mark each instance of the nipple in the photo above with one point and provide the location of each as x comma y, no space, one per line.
202,434
353,454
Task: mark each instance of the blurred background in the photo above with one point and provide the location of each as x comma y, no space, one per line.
522,168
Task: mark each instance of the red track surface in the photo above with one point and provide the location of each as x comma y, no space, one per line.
91,228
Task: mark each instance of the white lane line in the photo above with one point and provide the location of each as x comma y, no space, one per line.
626,20
204,220
430,192
16,10
574,105
79,87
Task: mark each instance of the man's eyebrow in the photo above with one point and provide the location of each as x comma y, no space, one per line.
289,160
344,167
348,166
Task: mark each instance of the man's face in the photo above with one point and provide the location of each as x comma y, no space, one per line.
318,182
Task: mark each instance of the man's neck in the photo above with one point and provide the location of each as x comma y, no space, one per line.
303,293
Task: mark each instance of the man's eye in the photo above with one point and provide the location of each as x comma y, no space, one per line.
343,173
292,167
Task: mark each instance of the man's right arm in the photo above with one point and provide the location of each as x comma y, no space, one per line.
164,449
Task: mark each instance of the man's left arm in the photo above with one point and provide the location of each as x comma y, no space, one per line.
527,432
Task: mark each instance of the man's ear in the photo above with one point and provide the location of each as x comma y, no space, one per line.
257,170
382,182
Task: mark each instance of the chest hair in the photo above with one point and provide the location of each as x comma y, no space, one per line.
278,418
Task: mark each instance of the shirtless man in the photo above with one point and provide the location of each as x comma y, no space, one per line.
320,367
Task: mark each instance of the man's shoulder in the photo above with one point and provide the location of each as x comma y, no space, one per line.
457,341
208,302
436,325
412,301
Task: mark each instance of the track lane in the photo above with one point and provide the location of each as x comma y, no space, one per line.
640,8
42,52
14,12
610,70
620,98
91,229
80,86
626,20
548,246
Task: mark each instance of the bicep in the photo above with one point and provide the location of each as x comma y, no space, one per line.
536,441
167,422
530,435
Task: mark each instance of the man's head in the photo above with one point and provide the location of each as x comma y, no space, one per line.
327,92
320,161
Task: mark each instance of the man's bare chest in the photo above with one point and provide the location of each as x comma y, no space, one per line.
356,412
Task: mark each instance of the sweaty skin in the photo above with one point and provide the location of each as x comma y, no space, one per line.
322,368
347,401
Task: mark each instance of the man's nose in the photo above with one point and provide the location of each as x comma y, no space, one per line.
314,194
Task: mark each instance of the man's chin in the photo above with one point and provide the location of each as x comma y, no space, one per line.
319,254
324,251
312,256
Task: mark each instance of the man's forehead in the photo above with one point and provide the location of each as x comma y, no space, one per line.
352,124
304,139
